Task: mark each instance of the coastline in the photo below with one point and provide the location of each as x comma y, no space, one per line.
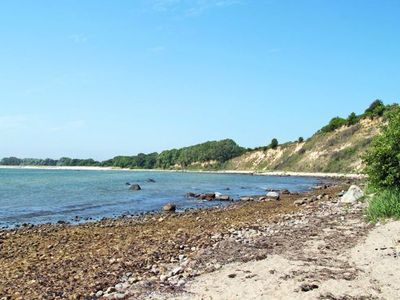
319,250
242,172
112,248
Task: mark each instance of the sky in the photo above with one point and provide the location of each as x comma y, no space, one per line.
99,78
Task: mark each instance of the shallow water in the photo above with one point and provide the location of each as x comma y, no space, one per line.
41,196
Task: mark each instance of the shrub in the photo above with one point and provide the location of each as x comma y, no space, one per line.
301,139
383,158
352,119
385,204
274,144
334,124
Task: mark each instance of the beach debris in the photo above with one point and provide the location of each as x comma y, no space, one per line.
171,207
354,194
135,187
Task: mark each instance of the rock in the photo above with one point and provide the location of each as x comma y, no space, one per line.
306,287
232,275
285,192
223,198
208,196
246,199
340,194
150,180
176,271
99,294
191,195
273,195
300,202
354,194
127,183
181,282
163,278
169,207
135,187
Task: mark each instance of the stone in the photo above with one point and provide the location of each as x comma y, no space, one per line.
99,294
151,180
176,271
354,194
171,207
223,198
273,195
135,187
306,287
163,278
299,202
246,199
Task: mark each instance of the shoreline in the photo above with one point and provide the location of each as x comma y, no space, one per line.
239,172
274,248
112,248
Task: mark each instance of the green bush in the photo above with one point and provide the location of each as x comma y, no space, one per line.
385,204
352,119
274,144
334,124
376,109
382,160
301,139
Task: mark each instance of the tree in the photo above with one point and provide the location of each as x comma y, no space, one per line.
301,139
376,109
274,143
383,157
352,119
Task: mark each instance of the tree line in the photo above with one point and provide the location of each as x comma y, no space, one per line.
214,151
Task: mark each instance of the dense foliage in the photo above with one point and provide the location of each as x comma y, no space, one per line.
383,158
216,151
64,161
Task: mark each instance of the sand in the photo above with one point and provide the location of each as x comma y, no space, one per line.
371,270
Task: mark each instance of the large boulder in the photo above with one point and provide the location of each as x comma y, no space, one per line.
354,194
135,187
273,195
171,207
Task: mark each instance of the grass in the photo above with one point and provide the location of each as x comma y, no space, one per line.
385,204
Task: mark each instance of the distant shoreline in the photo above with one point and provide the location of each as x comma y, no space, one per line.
244,172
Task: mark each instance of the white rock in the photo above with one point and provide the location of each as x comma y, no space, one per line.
273,195
352,195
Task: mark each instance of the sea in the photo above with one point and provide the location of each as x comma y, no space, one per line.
37,196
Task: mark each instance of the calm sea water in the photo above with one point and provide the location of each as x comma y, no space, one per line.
41,196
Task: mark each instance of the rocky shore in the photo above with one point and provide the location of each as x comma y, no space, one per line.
158,256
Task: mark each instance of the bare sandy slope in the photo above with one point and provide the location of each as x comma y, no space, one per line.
369,270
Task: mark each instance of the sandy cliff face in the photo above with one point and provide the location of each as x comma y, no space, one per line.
337,151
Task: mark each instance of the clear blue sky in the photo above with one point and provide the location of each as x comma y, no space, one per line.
102,78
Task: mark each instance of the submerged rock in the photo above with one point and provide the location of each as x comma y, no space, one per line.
135,187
